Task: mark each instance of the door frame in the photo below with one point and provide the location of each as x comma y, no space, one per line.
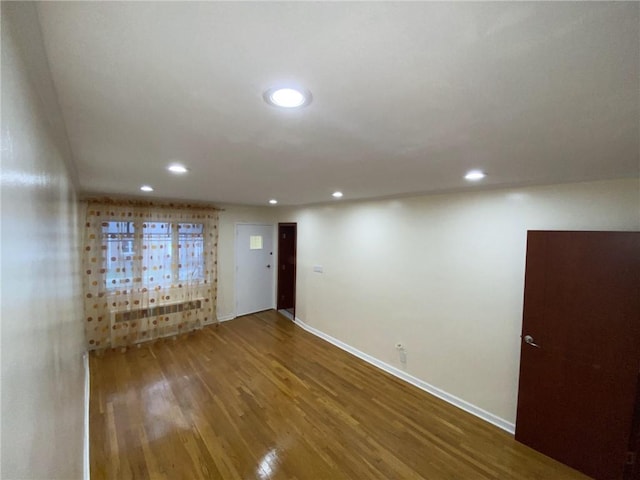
235,262
295,265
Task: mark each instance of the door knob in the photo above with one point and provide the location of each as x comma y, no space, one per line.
528,339
268,266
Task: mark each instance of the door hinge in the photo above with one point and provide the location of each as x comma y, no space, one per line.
631,458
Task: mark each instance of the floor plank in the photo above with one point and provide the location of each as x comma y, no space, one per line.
260,398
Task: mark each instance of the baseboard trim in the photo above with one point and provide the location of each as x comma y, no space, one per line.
87,392
421,384
289,316
224,318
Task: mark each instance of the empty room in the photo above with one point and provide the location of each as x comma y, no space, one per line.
320,240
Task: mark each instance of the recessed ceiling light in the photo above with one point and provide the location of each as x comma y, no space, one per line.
273,201
287,97
146,188
475,175
337,194
177,168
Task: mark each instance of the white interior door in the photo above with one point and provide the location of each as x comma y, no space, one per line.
254,268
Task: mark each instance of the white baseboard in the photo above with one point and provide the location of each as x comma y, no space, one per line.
421,384
289,316
223,318
87,393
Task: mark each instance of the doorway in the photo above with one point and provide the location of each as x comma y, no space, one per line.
580,349
287,252
254,268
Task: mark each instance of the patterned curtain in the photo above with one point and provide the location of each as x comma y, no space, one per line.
150,270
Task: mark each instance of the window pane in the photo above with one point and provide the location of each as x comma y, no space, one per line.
190,251
157,252
118,237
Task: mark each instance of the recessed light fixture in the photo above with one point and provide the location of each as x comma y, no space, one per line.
177,168
287,97
273,201
475,175
337,194
146,188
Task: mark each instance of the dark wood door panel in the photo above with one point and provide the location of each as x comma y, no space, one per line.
578,381
287,239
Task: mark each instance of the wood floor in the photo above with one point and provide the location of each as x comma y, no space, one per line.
260,398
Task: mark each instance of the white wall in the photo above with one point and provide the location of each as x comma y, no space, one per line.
444,274
226,251
42,335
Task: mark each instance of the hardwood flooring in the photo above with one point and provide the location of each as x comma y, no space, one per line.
260,398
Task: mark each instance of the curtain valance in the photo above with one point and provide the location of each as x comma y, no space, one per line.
145,203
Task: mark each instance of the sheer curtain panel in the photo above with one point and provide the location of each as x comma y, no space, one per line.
150,270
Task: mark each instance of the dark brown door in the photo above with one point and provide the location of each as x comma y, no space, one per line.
287,266
580,350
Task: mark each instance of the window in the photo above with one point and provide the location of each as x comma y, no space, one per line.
119,239
190,251
162,253
157,246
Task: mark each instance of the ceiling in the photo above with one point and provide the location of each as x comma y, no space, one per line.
406,96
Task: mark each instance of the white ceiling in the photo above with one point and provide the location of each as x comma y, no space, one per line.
406,96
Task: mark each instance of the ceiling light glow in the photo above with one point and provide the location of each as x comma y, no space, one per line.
177,168
287,97
146,188
337,194
475,175
273,201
